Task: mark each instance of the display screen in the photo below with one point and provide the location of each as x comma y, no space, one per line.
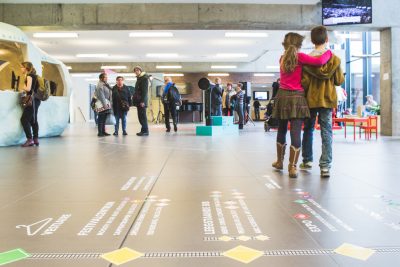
261,95
339,12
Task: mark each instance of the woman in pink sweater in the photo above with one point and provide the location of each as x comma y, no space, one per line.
291,104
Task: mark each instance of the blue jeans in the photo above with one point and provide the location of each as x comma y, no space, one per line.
121,116
325,122
217,110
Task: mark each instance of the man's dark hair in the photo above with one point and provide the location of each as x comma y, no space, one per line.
319,35
119,77
101,76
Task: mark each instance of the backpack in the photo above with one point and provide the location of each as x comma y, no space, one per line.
174,96
43,89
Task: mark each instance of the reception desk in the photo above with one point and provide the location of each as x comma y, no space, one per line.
53,117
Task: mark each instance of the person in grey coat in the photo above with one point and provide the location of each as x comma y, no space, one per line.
103,94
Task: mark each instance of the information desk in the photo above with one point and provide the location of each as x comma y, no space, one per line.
353,120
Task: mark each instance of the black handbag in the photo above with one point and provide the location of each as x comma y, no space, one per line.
25,100
124,104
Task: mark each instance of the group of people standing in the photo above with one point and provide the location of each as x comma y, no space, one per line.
226,102
117,101
307,90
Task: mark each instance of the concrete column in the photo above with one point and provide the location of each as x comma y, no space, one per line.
390,81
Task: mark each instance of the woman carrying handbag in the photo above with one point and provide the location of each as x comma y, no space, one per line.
30,105
103,104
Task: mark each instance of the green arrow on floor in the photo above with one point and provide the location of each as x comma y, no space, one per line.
12,256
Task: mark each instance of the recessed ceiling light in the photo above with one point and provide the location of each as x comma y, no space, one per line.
162,55
113,67
81,75
264,75
232,55
69,67
173,74
223,67
151,34
55,35
218,74
273,67
92,55
247,34
169,67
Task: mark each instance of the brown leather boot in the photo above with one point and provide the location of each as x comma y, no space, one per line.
293,159
280,155
28,143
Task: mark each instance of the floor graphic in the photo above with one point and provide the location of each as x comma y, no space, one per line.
119,215
121,256
139,183
355,252
13,256
314,213
233,211
271,184
36,227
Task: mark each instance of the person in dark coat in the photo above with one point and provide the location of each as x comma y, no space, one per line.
140,99
170,104
216,98
121,102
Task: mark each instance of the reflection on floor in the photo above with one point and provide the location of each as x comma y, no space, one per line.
174,199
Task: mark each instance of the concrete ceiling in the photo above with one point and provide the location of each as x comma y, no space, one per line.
291,2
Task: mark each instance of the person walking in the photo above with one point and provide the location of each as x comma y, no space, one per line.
291,104
171,101
239,106
257,105
121,97
103,94
29,118
140,99
319,85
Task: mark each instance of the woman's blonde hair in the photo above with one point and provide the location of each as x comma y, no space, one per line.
292,43
29,67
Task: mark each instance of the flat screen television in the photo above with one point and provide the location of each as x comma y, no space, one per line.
261,95
341,12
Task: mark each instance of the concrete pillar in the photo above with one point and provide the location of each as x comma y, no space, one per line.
390,81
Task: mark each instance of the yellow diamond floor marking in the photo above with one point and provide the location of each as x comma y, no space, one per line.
244,238
225,238
355,252
122,256
243,254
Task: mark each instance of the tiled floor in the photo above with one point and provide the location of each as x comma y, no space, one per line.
183,200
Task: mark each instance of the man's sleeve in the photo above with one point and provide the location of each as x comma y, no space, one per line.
305,80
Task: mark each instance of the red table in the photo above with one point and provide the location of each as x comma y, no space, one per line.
353,120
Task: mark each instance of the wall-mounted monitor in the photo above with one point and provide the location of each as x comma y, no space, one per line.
261,95
340,12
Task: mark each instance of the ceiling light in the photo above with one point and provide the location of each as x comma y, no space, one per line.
218,74
113,67
55,35
264,75
69,67
162,55
273,67
223,67
81,75
130,79
169,67
126,74
247,34
232,55
92,55
151,34
173,74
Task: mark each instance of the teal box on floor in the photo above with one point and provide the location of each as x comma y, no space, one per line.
208,130
221,120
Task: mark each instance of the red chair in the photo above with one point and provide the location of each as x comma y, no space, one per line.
372,125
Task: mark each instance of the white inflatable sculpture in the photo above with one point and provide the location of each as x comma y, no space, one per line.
53,115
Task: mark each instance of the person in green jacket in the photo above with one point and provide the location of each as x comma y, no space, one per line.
319,84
